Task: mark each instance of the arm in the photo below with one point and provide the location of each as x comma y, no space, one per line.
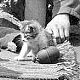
71,7
59,26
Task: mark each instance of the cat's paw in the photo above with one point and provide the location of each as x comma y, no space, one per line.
18,58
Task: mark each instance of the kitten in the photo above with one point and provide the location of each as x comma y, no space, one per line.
34,38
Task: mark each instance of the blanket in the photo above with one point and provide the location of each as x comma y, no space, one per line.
9,28
7,35
66,69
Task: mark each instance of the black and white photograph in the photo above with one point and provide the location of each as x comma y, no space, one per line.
39,39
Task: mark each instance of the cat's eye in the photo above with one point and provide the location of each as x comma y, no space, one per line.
31,29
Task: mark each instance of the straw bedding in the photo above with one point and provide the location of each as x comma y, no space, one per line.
66,68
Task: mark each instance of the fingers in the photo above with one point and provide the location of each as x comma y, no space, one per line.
55,31
66,33
61,33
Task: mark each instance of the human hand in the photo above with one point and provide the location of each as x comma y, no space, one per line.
59,27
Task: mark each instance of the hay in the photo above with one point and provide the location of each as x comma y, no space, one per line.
34,71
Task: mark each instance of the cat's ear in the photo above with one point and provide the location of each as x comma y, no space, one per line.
23,23
37,25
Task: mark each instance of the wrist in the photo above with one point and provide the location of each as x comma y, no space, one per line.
65,14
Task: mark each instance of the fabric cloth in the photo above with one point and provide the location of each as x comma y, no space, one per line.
68,62
67,6
14,7
7,35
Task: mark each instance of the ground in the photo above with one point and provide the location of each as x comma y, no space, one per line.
24,70
11,69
